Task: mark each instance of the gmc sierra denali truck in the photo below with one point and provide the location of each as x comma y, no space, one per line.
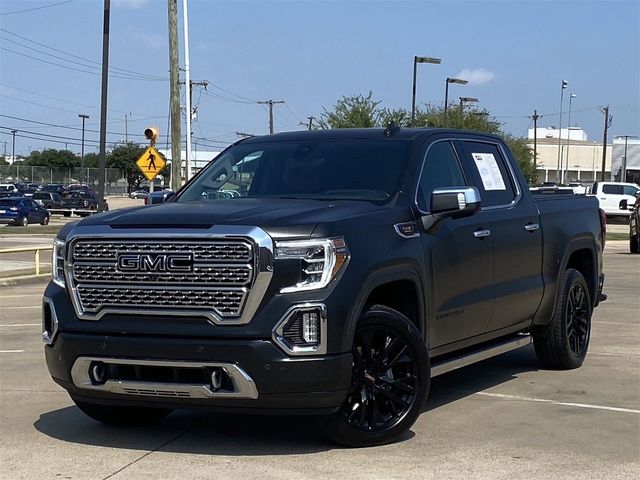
331,273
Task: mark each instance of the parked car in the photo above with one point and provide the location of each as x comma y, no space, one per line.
54,187
634,226
8,187
611,194
77,187
22,211
79,200
143,194
49,200
158,196
7,194
351,267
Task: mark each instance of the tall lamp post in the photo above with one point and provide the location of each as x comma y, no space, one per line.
565,84
464,100
83,117
13,145
446,94
416,61
566,170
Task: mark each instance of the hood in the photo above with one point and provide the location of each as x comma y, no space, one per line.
278,217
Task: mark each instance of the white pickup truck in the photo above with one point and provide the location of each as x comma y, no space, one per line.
611,196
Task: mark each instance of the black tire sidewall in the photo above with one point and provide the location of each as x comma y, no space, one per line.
339,431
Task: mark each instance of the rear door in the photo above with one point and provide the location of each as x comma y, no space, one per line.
513,222
610,196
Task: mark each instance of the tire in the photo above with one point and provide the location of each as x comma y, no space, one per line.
113,415
634,243
565,342
48,206
24,221
390,381
45,220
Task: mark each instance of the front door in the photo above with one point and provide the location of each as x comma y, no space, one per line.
458,255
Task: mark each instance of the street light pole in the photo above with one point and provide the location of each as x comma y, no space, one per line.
565,84
566,169
464,100
416,61
83,117
623,167
13,145
446,94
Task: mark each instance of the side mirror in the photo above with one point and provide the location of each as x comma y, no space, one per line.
455,202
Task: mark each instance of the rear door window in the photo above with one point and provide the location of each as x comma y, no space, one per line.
490,173
612,189
630,190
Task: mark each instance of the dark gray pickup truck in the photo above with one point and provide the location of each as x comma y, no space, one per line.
331,273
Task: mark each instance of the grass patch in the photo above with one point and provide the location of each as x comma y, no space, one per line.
617,236
31,230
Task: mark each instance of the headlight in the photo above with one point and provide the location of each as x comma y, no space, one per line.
320,261
57,263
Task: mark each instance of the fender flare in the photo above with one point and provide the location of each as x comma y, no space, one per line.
380,275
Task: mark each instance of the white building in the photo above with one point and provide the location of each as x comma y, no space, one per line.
573,133
632,170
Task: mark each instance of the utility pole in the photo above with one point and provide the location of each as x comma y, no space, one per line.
270,103
607,123
174,98
535,118
187,77
190,111
126,130
5,149
13,145
103,104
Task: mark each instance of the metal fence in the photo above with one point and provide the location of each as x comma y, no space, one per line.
115,184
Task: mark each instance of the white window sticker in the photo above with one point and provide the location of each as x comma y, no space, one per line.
489,171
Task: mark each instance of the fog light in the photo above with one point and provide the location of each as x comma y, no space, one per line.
311,327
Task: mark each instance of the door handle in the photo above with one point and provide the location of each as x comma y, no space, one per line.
482,233
531,227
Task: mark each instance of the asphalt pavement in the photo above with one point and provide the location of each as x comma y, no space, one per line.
503,418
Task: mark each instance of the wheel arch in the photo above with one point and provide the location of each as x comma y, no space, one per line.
399,287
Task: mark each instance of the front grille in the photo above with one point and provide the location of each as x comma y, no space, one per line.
226,303
215,279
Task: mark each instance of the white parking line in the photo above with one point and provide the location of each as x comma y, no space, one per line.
22,307
555,402
22,325
21,296
618,323
11,351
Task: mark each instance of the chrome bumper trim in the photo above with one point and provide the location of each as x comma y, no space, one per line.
243,386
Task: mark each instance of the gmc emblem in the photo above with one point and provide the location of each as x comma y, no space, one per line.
155,262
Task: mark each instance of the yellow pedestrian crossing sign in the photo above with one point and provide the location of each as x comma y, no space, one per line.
150,163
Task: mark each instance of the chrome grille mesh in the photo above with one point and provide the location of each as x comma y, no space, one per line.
227,303
218,281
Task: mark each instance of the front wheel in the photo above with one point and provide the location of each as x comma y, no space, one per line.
564,343
389,385
45,220
24,221
634,243
111,415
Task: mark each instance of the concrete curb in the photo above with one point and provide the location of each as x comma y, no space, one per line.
24,280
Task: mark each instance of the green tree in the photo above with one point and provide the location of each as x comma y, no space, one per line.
50,157
3,161
359,111
356,111
91,160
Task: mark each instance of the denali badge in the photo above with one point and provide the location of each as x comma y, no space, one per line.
155,262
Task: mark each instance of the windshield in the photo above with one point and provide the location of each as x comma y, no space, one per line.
325,170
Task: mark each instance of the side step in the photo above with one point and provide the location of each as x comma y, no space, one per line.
453,363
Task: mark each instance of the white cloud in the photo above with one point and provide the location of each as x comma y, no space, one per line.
476,76
132,4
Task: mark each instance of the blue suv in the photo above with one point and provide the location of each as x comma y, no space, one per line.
22,211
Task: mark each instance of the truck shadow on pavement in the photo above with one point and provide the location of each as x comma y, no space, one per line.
206,433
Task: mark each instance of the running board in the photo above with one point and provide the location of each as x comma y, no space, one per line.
493,350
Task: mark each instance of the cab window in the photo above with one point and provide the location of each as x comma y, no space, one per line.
441,169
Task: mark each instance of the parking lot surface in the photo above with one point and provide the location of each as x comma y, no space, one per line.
503,418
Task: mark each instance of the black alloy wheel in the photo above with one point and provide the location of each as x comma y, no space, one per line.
577,319
24,221
390,381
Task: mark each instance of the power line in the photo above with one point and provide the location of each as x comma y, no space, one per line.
124,70
37,8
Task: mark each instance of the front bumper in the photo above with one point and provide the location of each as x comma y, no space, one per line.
9,220
310,385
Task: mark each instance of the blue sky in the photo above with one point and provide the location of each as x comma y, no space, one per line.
310,54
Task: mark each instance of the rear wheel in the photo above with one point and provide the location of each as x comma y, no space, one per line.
45,220
390,381
565,342
24,221
114,415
